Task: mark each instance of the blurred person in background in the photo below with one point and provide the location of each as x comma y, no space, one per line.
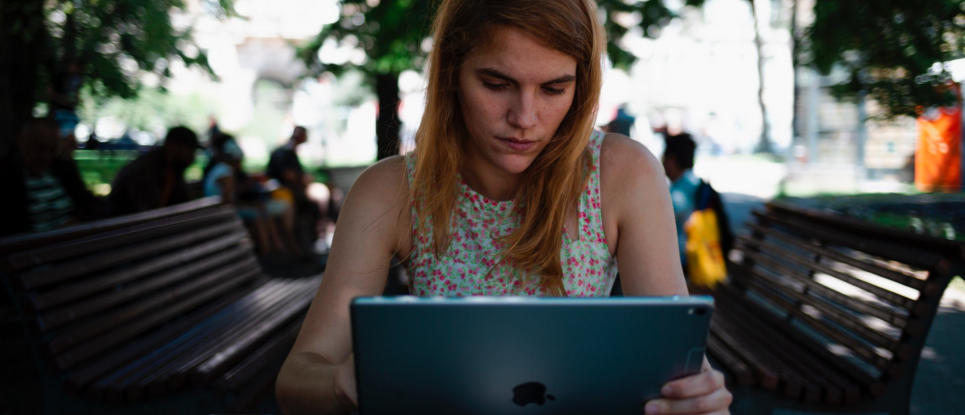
270,220
155,179
688,194
40,198
622,121
285,167
88,206
678,163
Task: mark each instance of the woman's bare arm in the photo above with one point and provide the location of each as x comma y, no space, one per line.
368,233
638,219
640,228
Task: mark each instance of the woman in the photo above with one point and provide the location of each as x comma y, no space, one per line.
535,202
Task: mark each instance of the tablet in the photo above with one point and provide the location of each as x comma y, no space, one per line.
523,355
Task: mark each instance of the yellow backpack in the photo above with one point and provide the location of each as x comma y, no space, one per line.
704,247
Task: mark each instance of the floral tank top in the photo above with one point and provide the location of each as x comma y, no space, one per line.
471,264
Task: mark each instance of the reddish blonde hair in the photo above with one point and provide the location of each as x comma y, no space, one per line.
554,181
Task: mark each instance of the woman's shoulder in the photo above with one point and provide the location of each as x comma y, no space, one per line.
382,180
621,156
376,203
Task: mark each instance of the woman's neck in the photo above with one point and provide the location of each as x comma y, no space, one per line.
495,185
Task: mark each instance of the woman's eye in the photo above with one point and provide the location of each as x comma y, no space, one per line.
495,86
553,91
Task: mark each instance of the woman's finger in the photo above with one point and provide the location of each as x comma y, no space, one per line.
702,383
716,402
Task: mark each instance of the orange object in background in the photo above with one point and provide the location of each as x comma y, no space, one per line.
938,155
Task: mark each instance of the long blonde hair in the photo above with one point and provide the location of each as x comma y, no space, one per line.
554,181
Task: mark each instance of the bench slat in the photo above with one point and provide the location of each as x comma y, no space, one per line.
18,244
810,389
878,247
174,303
892,298
60,316
887,314
835,384
276,347
892,274
110,386
940,246
158,380
762,360
861,350
733,365
105,261
289,301
850,321
176,373
218,363
119,238
67,337
81,377
868,382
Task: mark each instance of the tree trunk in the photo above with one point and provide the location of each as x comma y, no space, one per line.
387,123
22,36
764,146
796,130
22,42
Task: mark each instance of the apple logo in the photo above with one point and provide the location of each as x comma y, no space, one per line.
531,392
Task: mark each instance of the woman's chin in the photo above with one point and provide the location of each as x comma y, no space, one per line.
515,164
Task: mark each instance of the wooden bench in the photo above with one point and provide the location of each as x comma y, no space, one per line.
824,313
161,312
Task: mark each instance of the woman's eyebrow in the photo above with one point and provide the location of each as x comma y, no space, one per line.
499,75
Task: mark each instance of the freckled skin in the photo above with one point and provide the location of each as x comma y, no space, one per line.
514,92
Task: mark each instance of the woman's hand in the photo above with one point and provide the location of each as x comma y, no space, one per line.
703,393
345,387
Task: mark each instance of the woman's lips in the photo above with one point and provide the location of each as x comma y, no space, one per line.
517,144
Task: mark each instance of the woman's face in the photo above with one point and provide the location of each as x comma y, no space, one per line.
513,93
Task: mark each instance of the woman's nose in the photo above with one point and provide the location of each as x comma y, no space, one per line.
523,112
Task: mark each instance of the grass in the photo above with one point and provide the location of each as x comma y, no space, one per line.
957,284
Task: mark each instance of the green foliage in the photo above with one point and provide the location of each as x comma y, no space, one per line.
623,15
116,41
887,48
391,33
151,109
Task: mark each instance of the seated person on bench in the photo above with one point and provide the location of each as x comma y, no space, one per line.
510,191
155,179
270,220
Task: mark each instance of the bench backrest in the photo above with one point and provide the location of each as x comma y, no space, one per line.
92,291
860,295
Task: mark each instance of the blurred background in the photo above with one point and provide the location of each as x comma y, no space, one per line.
784,97
846,105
